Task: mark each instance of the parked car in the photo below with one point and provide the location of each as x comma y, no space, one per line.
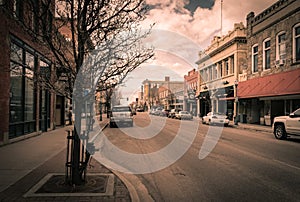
287,125
215,118
121,115
165,112
140,109
173,112
183,115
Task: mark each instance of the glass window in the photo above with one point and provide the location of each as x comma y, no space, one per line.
297,43
266,54
280,48
255,58
16,96
22,96
45,70
29,95
232,64
215,72
221,70
210,73
16,53
226,67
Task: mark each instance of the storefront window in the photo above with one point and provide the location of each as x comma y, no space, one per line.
22,96
16,96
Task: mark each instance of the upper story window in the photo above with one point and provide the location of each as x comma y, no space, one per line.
18,9
255,58
215,73
210,73
220,70
266,54
296,43
226,67
280,46
232,64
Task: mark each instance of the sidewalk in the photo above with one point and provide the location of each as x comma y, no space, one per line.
247,126
25,163
255,127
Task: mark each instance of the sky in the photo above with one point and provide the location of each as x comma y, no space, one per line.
183,28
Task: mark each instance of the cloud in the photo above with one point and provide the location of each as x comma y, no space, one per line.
183,28
194,4
200,20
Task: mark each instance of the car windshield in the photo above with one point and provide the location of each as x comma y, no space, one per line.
121,109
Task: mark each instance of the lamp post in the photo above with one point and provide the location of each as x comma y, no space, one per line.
236,102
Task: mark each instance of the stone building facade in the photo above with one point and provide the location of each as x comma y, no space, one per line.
270,86
219,67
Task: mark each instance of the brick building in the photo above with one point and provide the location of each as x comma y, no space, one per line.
171,93
270,86
190,89
219,66
26,107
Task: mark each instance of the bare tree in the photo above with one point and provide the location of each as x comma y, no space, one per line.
99,38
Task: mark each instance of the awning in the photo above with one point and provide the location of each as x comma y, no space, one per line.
227,98
284,83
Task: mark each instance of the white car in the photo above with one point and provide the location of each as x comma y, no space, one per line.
121,115
287,125
183,115
215,118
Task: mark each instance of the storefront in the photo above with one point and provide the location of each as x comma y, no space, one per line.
261,99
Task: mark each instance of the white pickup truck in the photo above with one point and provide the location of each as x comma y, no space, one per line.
287,125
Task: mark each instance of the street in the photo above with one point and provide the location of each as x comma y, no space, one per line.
243,166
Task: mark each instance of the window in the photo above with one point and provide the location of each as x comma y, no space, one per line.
296,43
220,70
18,9
232,64
22,95
280,48
210,73
266,54
215,71
226,67
255,58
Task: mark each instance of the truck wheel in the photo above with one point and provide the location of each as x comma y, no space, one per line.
279,132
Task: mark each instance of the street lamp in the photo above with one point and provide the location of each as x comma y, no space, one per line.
236,101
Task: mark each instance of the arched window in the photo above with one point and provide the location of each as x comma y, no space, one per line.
266,54
296,43
255,58
280,46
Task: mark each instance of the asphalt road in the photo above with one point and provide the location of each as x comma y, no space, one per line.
243,166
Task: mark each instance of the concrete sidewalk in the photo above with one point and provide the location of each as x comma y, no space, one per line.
254,127
247,126
25,163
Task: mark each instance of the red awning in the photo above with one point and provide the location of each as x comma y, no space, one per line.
284,83
227,98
